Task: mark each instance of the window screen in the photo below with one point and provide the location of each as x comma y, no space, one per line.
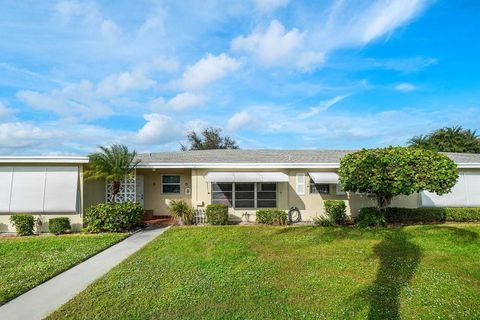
222,193
244,195
267,195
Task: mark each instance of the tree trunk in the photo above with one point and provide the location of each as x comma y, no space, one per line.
115,190
384,200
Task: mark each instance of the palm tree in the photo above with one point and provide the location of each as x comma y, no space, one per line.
112,163
448,139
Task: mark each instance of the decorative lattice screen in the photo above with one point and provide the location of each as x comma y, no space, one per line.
127,191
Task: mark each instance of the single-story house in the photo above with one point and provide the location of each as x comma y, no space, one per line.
245,180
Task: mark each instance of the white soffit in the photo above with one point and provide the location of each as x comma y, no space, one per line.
246,177
324,177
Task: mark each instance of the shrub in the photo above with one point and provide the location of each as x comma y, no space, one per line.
323,222
113,217
181,209
336,210
462,214
406,215
272,216
59,225
370,217
23,224
217,214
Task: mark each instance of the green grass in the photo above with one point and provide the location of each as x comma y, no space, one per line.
415,272
28,261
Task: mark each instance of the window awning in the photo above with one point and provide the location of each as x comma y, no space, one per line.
246,177
324,177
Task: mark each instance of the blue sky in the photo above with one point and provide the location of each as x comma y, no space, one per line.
270,73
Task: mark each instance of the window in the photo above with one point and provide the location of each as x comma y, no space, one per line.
222,193
338,190
319,188
170,184
245,195
267,195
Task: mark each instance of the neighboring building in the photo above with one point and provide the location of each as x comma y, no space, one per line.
244,179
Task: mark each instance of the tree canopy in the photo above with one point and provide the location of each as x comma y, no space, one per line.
454,139
392,171
209,138
112,163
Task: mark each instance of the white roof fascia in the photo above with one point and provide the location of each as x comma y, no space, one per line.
44,159
239,165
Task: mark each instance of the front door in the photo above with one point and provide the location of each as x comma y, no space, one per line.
139,191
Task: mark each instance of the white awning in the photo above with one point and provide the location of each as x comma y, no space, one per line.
324,177
246,177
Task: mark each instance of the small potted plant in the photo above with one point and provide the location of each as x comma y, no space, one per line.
181,212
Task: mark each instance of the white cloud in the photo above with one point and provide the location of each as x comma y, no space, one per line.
158,130
180,102
207,70
168,64
239,119
109,29
6,112
116,84
186,100
154,23
347,24
78,99
16,135
405,87
323,106
88,14
269,5
196,125
273,46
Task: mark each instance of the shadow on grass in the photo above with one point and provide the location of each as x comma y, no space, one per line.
399,259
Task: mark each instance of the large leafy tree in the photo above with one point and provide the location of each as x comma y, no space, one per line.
209,138
392,171
112,163
454,139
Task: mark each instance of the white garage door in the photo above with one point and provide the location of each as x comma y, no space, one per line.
38,189
466,193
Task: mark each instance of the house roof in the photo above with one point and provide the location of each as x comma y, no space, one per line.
265,159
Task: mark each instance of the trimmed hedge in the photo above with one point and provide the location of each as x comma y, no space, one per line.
370,217
59,225
217,214
23,224
113,217
336,210
406,215
272,216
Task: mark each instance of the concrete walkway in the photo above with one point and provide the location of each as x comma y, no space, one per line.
49,296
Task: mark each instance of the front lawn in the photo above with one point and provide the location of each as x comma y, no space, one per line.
235,272
28,261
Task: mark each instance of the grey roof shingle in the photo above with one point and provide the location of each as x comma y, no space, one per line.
266,156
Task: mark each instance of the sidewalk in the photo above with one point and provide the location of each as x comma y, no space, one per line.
49,296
